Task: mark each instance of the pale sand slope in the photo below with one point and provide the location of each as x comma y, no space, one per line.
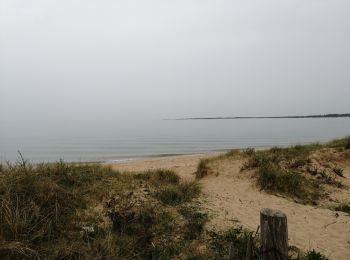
232,196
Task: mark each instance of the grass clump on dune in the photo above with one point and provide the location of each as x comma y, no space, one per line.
177,194
339,143
344,207
290,183
220,243
277,170
202,168
295,171
313,255
160,176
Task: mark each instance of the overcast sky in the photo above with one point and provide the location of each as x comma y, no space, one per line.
163,59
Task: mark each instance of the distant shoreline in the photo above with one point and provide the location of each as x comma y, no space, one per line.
265,117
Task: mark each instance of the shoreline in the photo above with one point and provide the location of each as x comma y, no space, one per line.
199,153
132,158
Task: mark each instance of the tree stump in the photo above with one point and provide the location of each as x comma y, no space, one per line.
274,234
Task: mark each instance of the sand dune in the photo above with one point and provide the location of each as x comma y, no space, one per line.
231,196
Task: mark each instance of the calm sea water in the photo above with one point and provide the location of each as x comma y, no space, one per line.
118,140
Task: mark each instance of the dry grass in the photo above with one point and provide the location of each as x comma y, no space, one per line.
299,171
203,168
67,211
64,211
41,204
293,171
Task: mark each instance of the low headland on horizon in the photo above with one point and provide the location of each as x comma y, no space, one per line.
264,117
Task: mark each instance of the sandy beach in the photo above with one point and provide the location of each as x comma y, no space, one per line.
233,197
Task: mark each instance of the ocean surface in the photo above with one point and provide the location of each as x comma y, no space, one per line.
110,140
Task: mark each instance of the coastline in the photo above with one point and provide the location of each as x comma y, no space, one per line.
208,153
229,196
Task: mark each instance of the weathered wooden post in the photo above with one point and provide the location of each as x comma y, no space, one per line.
274,234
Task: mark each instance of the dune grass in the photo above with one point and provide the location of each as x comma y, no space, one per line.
178,194
39,205
313,255
343,207
279,171
288,171
203,168
339,143
67,211
220,243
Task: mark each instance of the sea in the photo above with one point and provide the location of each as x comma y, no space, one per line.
122,140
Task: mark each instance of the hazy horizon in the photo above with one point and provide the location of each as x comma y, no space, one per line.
171,59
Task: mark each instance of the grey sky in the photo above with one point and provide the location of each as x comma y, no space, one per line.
162,59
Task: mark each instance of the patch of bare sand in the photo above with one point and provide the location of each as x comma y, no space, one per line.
231,195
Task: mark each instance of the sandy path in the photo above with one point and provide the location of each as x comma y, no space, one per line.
232,196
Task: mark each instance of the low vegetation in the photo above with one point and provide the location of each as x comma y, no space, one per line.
238,240
313,255
281,170
221,243
340,143
299,171
203,168
67,211
343,207
178,194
